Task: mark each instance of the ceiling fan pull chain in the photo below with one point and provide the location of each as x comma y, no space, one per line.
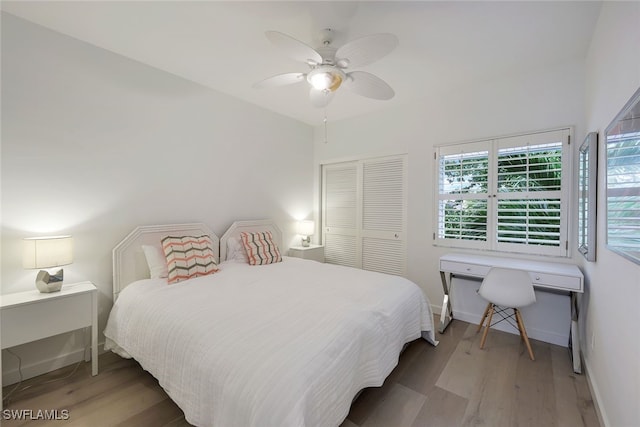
325,125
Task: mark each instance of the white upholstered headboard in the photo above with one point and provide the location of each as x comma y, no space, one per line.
129,263
249,226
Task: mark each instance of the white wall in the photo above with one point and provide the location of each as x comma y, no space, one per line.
94,144
612,348
544,98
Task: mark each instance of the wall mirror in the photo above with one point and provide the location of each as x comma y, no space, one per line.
587,183
623,181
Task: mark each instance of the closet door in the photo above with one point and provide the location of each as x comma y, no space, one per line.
364,214
384,213
340,214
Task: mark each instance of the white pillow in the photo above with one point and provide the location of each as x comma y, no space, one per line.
156,261
236,251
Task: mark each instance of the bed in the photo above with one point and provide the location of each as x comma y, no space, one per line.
285,344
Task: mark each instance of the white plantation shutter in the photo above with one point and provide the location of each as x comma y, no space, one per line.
529,193
364,214
463,179
507,194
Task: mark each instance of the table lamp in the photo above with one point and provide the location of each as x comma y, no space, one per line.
48,252
306,229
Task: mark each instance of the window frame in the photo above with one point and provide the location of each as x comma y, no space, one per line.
493,196
587,196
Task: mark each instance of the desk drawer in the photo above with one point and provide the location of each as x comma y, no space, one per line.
464,269
555,281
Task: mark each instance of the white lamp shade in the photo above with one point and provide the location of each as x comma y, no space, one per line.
306,228
46,252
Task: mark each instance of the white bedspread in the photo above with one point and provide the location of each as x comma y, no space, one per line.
286,344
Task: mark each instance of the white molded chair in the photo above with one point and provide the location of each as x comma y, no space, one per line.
506,289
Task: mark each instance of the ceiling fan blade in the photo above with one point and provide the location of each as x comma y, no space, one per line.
320,98
294,48
280,80
366,84
365,50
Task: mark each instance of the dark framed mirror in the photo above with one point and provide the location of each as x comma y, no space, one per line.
623,181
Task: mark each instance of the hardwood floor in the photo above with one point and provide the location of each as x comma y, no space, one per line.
453,384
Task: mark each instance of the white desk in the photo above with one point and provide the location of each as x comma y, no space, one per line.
550,276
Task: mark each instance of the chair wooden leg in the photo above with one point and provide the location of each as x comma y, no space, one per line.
486,329
523,333
518,323
484,316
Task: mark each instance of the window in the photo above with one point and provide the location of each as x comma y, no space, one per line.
623,181
507,194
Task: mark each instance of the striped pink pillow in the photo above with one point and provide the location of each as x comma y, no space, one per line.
260,247
188,257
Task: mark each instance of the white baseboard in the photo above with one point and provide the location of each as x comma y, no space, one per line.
595,394
44,366
537,334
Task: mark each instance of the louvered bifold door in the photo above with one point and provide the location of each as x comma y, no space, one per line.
340,214
364,214
384,213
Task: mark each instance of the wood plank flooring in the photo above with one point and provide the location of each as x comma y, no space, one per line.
453,384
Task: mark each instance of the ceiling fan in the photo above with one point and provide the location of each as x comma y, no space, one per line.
330,67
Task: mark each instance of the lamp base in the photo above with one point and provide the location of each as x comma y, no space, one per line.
46,282
306,241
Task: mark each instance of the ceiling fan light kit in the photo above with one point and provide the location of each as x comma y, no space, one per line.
326,78
330,66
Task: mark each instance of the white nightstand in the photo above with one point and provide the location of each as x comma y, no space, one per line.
31,315
314,252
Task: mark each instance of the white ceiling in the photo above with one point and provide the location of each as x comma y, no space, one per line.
222,44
